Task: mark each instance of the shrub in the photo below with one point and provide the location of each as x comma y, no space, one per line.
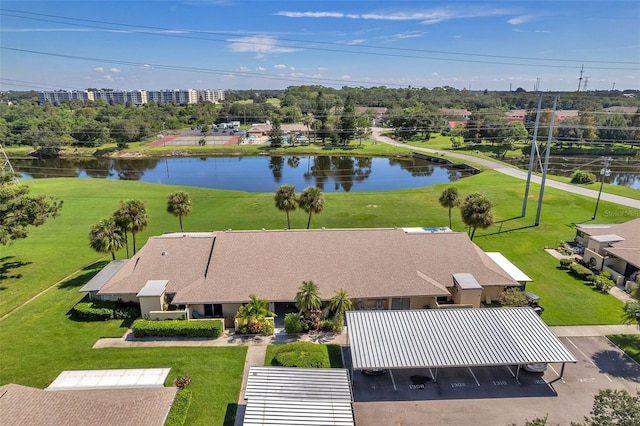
294,323
565,263
268,327
580,176
302,354
603,283
86,311
326,325
513,297
579,270
98,310
606,274
177,328
338,324
182,382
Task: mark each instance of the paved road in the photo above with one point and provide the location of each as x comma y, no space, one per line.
511,171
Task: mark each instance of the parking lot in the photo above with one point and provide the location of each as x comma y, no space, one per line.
491,395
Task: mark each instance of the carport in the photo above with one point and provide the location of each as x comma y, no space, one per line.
441,338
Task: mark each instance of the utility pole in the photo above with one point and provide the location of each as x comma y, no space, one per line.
546,160
586,84
534,150
7,168
580,78
604,172
536,87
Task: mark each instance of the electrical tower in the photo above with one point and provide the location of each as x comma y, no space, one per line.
580,78
7,168
537,85
586,84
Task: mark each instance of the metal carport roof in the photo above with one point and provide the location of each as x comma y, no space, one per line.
433,338
101,278
298,396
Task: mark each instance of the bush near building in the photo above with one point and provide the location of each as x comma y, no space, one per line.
102,311
177,328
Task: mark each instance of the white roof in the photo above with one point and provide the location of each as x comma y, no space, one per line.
609,238
466,281
298,396
512,270
101,278
451,338
153,288
110,379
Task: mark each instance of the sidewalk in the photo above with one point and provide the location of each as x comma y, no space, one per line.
593,330
227,339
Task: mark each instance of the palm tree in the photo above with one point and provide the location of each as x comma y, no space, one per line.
311,201
340,303
449,199
308,297
285,199
253,314
476,212
106,237
179,204
137,215
632,313
122,222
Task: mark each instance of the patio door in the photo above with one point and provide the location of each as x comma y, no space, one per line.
400,303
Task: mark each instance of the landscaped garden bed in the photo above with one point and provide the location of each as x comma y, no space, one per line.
304,355
177,328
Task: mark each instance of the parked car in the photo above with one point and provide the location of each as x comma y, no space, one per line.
536,367
374,372
533,300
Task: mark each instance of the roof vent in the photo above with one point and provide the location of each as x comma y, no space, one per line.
164,253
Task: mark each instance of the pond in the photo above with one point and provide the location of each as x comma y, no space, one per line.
625,171
254,173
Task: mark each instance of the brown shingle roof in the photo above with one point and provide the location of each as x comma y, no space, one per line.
22,405
629,248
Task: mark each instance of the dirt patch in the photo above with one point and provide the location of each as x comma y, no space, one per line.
373,206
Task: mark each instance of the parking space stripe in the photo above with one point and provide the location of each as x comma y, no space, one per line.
474,376
588,358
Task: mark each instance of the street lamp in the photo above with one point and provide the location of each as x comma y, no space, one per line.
164,142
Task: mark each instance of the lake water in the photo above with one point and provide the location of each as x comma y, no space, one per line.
254,173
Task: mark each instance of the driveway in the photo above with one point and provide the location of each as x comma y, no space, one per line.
511,171
491,396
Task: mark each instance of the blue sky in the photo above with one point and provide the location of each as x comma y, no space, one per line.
268,44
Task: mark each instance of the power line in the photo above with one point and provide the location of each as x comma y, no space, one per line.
171,32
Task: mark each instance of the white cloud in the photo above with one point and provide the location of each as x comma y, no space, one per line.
317,76
435,74
457,36
280,66
345,77
427,17
108,77
99,69
323,69
408,34
292,68
260,45
312,14
260,68
116,70
520,19
244,69
353,42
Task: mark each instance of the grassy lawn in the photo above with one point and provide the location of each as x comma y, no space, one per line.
40,341
629,343
333,355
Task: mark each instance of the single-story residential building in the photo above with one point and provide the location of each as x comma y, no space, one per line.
614,249
211,274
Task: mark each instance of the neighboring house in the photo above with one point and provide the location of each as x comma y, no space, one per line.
212,274
563,114
263,129
515,115
455,113
612,248
621,109
453,124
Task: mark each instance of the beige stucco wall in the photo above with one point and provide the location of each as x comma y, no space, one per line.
150,303
491,294
590,254
468,297
420,302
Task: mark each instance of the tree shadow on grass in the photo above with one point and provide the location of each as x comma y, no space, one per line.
8,269
83,278
230,415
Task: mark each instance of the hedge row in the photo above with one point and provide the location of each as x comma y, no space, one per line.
177,328
102,311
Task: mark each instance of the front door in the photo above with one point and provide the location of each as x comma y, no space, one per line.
217,310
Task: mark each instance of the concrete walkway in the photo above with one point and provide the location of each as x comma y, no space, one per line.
511,171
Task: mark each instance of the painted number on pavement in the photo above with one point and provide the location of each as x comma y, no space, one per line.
458,385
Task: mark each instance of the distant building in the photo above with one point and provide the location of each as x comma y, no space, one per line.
622,109
515,115
455,113
135,97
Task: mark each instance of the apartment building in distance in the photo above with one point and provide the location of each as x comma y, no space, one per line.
135,97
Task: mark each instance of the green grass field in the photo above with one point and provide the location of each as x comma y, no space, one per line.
630,343
40,341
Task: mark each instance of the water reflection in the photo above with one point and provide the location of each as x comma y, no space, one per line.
254,174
